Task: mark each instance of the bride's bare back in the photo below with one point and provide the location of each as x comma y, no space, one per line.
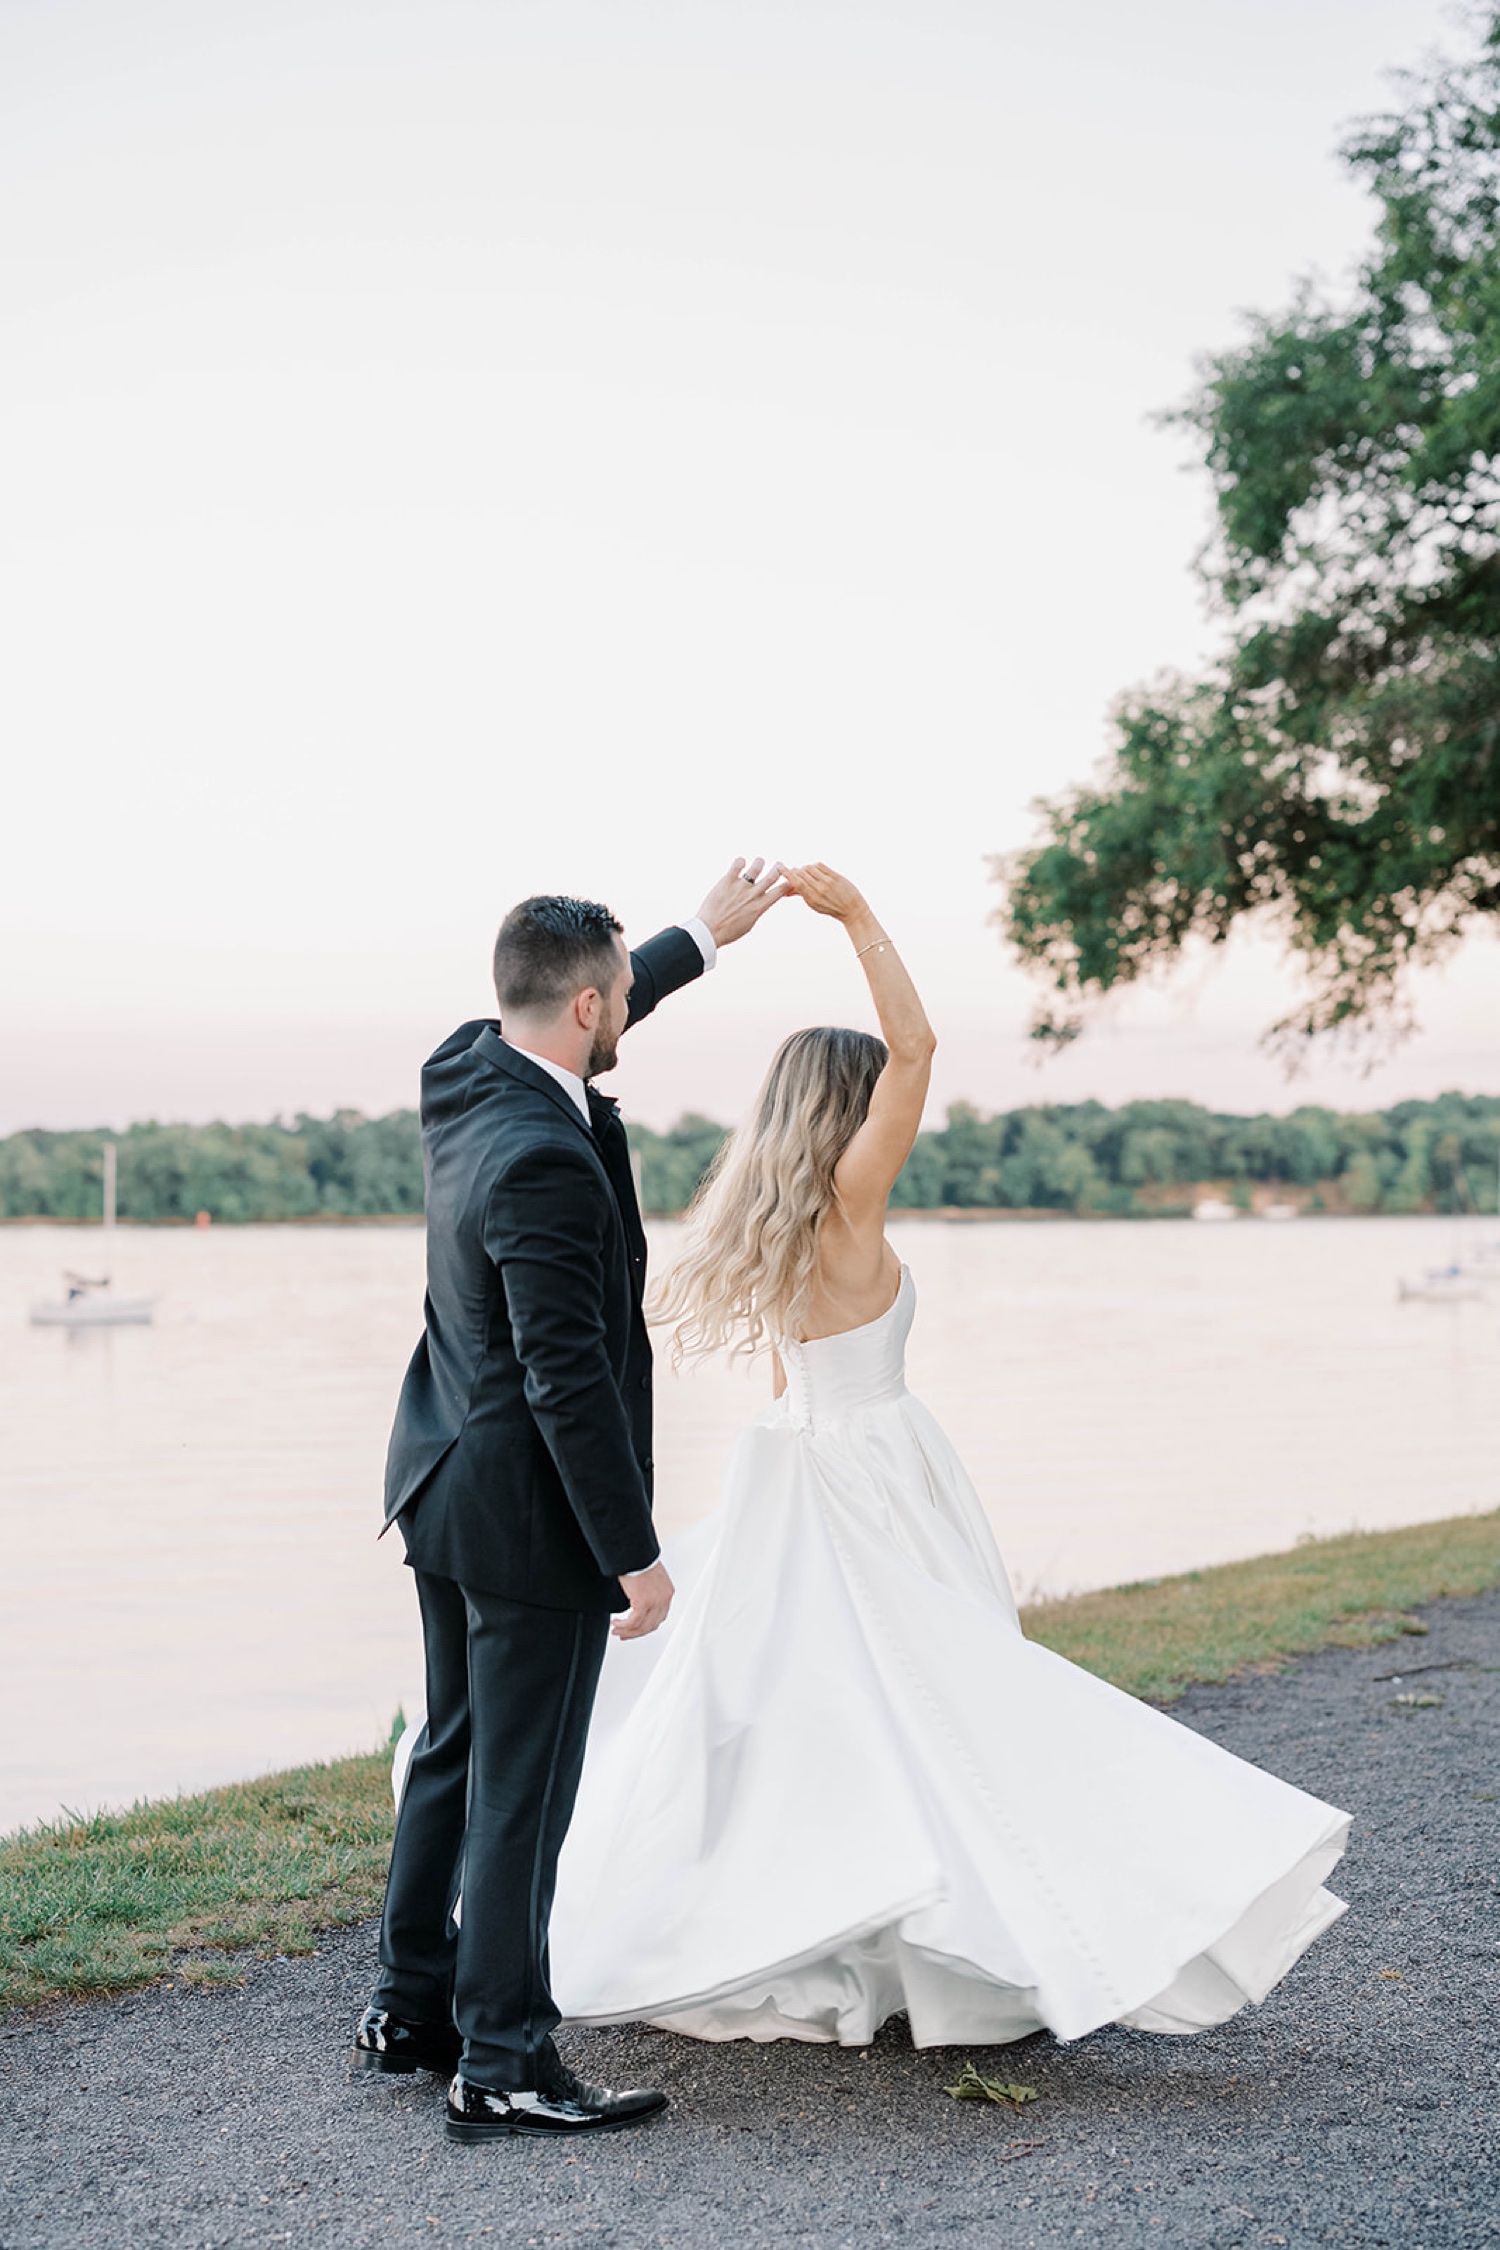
855,1283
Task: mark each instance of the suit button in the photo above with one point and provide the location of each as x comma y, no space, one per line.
645,1382
648,1463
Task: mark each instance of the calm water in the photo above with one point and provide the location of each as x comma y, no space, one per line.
192,1590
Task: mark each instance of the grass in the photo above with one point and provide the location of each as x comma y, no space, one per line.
179,1888
1154,1638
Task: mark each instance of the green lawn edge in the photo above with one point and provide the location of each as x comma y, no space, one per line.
176,1889
1159,1636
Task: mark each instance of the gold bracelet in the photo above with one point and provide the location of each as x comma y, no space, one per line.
861,951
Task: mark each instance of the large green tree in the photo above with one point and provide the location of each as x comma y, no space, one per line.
1339,771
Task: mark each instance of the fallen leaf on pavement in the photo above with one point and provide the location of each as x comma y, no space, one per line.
973,2086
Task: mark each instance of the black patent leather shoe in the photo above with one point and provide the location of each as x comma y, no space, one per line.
389,2043
566,2107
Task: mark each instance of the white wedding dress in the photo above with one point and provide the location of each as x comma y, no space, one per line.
839,1783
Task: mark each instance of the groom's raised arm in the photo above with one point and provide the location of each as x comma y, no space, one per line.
674,958
665,964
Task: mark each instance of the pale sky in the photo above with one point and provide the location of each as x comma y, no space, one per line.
457,450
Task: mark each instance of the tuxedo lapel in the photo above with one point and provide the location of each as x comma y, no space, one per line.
614,1153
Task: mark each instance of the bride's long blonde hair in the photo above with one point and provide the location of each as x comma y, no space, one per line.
749,1254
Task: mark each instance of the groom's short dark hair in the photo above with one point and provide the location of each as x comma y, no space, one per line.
550,948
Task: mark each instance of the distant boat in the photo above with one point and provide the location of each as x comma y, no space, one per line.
1280,1211
1481,1261
1213,1207
91,1302
1441,1285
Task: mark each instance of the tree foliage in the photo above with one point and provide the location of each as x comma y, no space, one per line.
1153,1157
1146,1157
671,1164
345,1166
1339,771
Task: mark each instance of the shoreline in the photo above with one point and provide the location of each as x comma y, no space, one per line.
958,1214
178,1887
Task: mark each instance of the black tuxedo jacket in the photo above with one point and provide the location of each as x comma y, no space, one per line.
520,1460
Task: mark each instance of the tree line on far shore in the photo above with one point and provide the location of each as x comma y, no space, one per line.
1143,1159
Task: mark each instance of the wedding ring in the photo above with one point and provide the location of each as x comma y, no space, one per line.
750,879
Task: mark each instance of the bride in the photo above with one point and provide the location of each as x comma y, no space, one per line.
840,1783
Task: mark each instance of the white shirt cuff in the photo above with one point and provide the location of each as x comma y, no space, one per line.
698,931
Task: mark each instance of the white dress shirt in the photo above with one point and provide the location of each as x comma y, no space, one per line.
699,933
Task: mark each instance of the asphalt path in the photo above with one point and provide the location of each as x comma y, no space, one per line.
1360,2105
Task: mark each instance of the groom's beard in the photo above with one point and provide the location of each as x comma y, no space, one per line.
604,1053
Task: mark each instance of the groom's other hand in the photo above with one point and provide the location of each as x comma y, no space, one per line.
649,1593
738,899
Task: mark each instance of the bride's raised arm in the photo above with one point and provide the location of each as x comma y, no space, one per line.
868,1168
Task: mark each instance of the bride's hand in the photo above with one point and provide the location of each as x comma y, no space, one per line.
825,892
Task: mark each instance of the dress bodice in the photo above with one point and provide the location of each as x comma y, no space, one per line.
833,1376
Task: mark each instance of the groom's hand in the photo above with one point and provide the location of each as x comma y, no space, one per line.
649,1593
738,899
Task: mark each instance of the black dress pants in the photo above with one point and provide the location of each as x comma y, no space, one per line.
489,1794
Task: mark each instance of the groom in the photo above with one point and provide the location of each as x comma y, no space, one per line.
520,1474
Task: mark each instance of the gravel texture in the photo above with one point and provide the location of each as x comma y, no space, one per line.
1358,2106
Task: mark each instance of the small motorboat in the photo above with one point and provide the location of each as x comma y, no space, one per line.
1441,1285
1478,1261
90,1301
1214,1209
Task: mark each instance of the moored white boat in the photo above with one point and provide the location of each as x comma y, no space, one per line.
1441,1285
90,1302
